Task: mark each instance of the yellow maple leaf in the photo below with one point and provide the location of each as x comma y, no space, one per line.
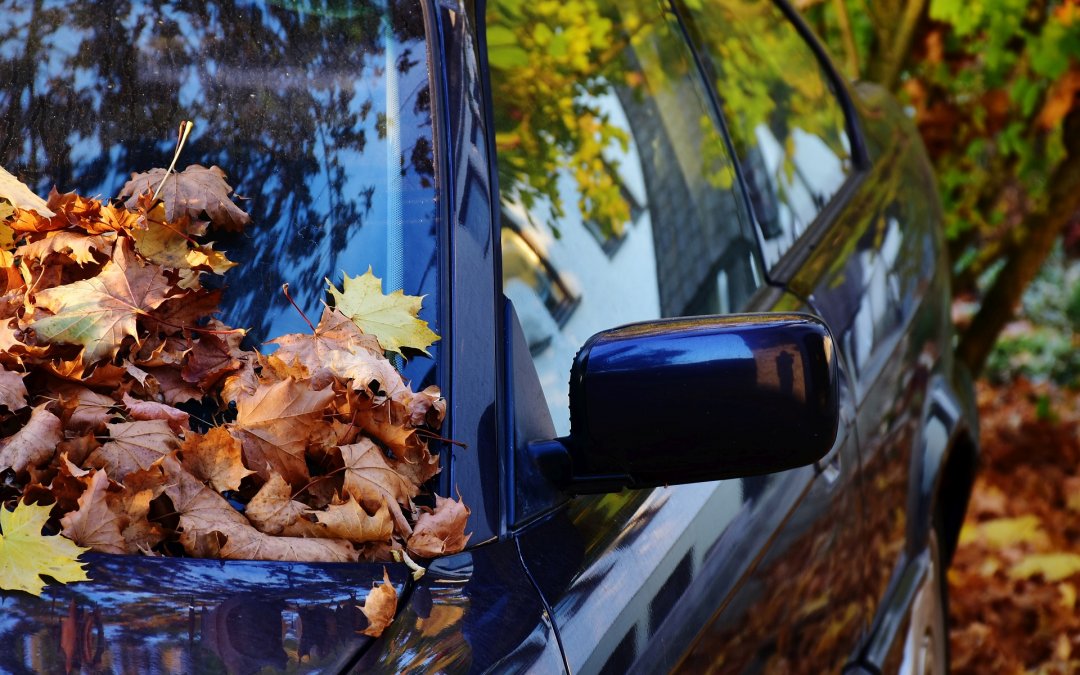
390,318
25,553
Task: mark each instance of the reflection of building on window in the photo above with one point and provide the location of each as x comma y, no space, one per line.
523,262
611,241
734,278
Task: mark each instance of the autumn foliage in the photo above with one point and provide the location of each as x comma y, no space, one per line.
150,426
1015,576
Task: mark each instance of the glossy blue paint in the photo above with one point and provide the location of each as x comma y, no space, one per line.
471,612
470,284
142,614
695,399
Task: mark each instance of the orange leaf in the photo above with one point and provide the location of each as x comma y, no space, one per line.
380,607
215,458
442,531
274,423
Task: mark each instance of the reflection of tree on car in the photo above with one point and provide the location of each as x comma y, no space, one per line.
292,104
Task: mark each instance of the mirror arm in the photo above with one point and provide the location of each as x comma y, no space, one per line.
555,459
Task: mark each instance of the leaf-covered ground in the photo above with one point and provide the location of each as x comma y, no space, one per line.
1015,578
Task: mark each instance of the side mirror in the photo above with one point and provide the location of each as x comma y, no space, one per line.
695,399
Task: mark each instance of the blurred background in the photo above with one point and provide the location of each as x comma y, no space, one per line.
993,87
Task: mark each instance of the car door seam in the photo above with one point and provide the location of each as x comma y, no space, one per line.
544,602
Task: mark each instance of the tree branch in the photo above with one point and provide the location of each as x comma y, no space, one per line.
999,304
895,54
847,36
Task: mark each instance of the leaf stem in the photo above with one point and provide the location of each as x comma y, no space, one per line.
401,555
285,290
434,436
185,129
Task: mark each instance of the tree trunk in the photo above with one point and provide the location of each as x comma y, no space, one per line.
1000,302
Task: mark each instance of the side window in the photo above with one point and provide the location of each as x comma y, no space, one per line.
786,124
619,199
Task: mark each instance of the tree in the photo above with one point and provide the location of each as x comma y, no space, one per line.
993,86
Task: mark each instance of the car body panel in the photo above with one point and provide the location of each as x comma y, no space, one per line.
471,612
145,614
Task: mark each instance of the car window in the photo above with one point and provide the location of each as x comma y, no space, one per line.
786,124
619,199
320,118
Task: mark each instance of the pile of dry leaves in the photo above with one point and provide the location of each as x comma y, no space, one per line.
315,452
1015,577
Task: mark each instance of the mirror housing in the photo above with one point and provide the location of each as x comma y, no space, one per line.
695,399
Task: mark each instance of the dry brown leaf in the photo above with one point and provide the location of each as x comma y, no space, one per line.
151,410
340,347
98,313
189,193
215,457
134,446
389,424
273,510
371,480
34,444
348,520
426,407
79,247
210,359
379,607
83,409
442,531
141,533
94,524
12,390
172,386
273,425
204,514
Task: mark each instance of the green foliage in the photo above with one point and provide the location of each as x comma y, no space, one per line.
989,82
1043,343
549,63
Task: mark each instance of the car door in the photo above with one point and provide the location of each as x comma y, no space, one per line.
856,194
621,202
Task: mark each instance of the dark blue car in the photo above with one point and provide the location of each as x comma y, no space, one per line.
694,306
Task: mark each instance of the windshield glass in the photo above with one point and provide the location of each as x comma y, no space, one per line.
319,113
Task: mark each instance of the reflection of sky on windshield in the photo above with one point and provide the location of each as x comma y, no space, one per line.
291,104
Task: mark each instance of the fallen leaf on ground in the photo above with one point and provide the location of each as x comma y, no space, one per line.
34,444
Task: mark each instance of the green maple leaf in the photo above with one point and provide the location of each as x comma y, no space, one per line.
390,318
26,554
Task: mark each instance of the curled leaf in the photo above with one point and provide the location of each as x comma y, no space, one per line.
380,607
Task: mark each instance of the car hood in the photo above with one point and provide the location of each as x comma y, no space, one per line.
144,614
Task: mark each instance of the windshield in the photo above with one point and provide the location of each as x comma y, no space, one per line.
319,113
